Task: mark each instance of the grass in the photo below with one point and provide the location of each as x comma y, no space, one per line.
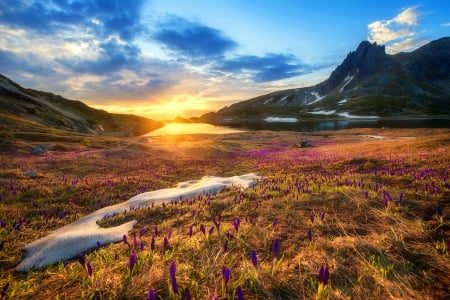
374,245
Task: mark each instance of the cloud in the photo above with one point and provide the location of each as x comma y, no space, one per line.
398,33
194,41
446,24
100,17
113,57
269,67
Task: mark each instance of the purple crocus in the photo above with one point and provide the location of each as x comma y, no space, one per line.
309,234
203,229
143,231
187,294
225,246
190,231
240,294
276,248
173,279
82,260
124,239
322,216
254,258
226,275
166,244
236,223
152,244
133,260
135,241
142,246
311,217
89,269
151,295
99,245
324,275
211,230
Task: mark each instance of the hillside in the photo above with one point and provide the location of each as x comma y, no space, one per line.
27,110
368,82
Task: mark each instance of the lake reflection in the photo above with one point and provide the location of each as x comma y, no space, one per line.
192,128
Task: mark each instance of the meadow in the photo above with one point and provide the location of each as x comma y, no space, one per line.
362,214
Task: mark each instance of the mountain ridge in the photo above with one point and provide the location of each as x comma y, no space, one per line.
368,82
24,109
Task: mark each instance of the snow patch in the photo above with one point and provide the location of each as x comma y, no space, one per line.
317,97
280,120
347,115
323,112
283,101
268,100
83,234
347,80
343,101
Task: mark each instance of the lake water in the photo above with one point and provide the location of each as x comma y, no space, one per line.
305,126
310,126
192,128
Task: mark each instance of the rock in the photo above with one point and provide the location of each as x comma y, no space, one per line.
31,174
6,142
39,150
305,144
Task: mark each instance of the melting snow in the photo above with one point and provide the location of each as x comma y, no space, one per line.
317,96
280,120
343,101
268,100
83,234
323,112
347,80
347,115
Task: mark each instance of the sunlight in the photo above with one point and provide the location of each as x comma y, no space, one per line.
191,128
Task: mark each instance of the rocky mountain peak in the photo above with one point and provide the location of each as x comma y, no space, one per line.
365,61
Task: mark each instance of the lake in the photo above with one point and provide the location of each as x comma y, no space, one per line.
192,128
304,126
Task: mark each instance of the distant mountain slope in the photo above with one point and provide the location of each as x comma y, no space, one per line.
368,82
23,109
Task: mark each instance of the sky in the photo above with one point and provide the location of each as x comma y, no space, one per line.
167,58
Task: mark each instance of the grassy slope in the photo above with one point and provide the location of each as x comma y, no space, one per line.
373,250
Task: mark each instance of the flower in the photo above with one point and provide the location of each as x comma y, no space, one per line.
202,229
190,231
89,269
166,243
240,294
254,258
276,247
151,295
226,274
152,244
133,260
173,280
187,294
324,275
309,234
82,259
322,216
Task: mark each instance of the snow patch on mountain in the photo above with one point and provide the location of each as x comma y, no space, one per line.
317,97
347,115
280,120
323,112
347,80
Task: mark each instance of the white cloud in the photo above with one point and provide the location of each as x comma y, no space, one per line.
446,24
397,33
406,45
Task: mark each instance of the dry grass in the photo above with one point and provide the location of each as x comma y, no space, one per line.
374,249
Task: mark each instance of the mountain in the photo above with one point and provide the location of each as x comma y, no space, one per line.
27,110
368,83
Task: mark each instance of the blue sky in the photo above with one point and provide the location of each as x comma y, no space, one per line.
165,58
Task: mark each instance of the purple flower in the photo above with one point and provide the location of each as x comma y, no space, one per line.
151,295
187,294
211,230
276,248
236,223
229,235
240,294
190,231
135,242
226,274
133,260
203,229
89,269
225,246
99,245
216,223
311,217
324,275
143,231
124,239
152,244
142,246
322,216
438,210
156,230
274,223
166,243
254,258
82,260
173,280
309,234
